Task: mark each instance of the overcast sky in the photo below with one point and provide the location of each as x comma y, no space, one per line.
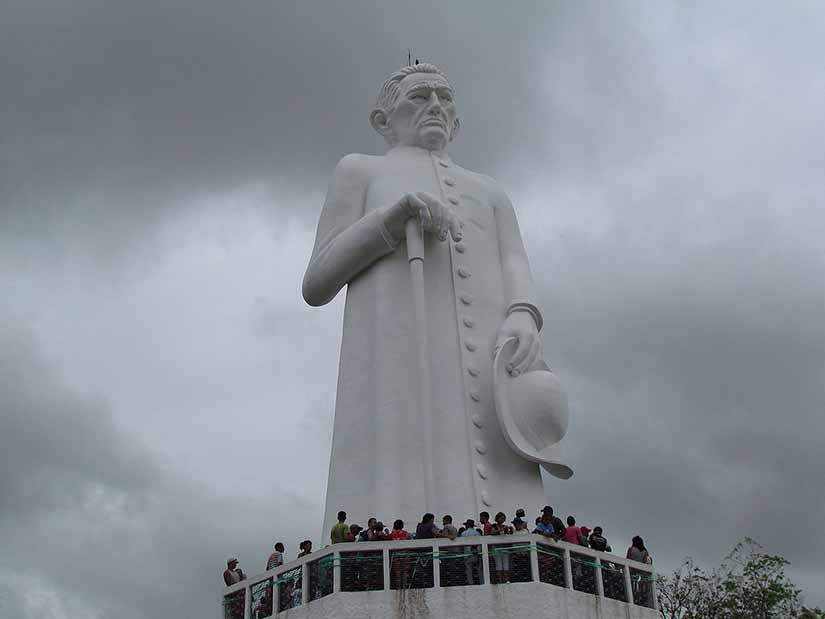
166,397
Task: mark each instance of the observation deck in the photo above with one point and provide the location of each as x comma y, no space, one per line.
450,578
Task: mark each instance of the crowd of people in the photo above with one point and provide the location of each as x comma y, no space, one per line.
546,523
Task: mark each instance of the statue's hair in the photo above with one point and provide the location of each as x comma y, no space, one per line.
390,88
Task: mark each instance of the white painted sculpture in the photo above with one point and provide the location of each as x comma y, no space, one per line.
438,287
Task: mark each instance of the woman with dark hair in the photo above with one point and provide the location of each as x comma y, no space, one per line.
398,531
638,552
426,529
501,554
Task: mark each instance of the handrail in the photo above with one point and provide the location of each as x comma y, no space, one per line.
435,543
584,569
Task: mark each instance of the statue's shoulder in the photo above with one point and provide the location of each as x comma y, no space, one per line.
490,186
356,165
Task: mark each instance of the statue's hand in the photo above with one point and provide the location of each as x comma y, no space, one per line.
520,324
435,216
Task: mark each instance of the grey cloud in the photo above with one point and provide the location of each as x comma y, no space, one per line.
665,163
93,522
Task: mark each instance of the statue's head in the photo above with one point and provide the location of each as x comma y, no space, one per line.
416,108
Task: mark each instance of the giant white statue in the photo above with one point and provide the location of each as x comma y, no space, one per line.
444,403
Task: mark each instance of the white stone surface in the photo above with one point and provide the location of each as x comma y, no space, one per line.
517,600
396,453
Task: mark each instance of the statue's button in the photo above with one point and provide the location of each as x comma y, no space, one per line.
468,322
481,447
485,498
472,371
460,248
449,182
470,346
452,200
466,299
482,472
477,421
463,273
443,163
474,396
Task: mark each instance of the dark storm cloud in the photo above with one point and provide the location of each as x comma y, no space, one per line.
665,161
92,522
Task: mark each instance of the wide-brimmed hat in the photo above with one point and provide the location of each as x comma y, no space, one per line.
531,410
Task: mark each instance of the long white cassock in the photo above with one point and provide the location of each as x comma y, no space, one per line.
377,466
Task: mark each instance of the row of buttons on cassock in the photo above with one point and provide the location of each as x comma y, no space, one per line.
467,300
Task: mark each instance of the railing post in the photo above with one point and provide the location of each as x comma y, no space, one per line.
534,561
336,572
247,602
305,583
485,563
276,595
599,582
385,565
653,595
628,584
568,569
436,568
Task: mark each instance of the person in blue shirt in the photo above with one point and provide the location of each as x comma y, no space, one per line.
545,526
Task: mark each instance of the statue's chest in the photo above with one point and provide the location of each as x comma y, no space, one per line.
452,185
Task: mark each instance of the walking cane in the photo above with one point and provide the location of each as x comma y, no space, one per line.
415,255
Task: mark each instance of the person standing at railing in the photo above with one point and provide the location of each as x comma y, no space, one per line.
501,555
364,535
427,528
558,525
276,558
233,574
598,541
585,537
572,533
519,525
306,548
447,529
544,526
339,531
398,532
638,552
472,562
484,521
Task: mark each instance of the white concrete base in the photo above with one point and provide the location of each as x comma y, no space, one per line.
531,600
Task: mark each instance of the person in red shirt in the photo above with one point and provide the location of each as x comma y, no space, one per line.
484,521
398,531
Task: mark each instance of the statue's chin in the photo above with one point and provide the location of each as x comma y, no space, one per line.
433,138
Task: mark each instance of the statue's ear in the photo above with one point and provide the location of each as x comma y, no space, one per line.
380,122
454,132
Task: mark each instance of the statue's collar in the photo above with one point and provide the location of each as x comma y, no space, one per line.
416,151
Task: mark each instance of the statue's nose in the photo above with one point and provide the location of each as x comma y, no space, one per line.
435,103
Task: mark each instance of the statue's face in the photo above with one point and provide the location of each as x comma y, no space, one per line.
424,113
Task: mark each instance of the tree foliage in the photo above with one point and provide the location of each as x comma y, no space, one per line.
750,584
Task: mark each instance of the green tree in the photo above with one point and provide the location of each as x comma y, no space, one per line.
749,584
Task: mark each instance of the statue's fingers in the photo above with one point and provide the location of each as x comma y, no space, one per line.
520,355
532,355
422,210
415,204
444,228
435,209
456,228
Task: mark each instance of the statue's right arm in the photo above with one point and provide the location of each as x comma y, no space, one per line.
347,241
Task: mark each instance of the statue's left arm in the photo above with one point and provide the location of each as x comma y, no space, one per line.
523,319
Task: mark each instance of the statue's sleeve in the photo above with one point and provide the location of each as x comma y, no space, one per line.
347,240
515,268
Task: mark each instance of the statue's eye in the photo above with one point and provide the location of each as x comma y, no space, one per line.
418,96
